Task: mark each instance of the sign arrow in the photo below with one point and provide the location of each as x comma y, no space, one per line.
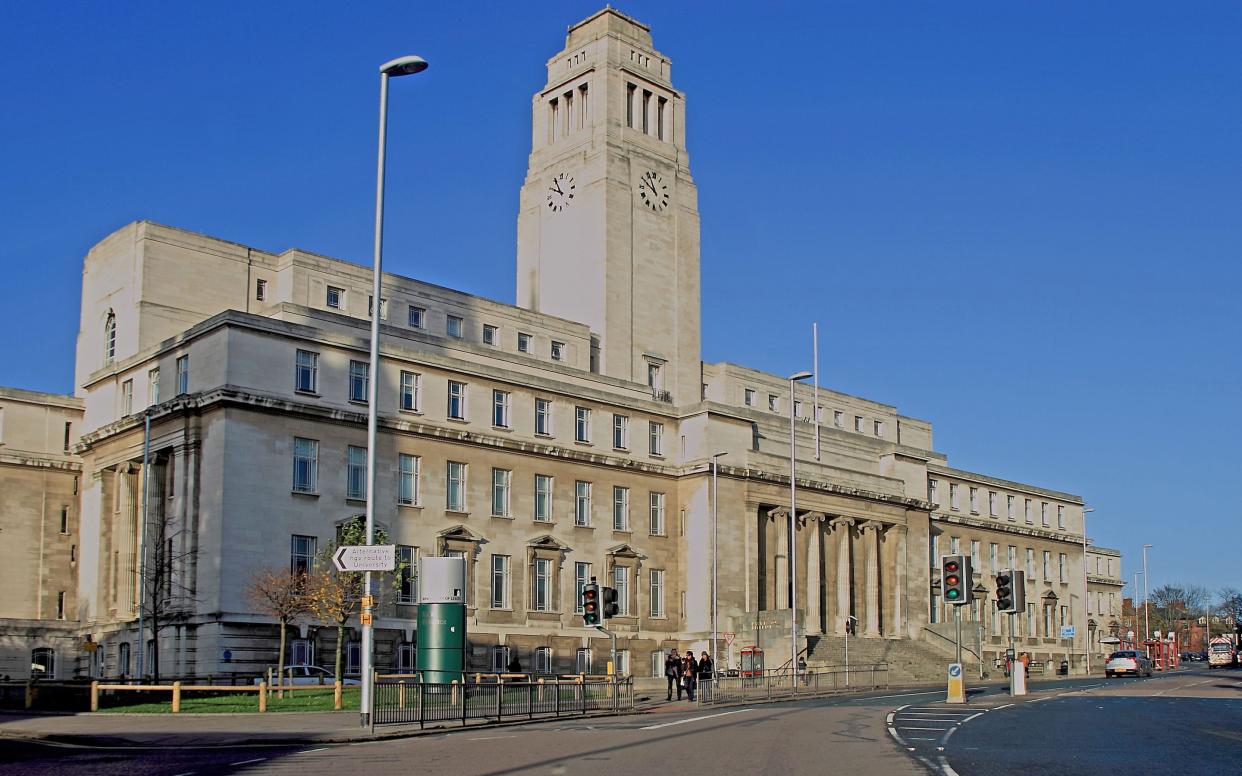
365,557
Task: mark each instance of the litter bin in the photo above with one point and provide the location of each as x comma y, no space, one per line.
1064,671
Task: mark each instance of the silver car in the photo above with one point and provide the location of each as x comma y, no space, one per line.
1127,661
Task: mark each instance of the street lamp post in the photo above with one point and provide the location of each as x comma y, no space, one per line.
1146,610
715,578
1086,601
407,65
793,535
1134,601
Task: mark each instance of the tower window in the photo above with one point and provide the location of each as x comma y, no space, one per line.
554,116
582,106
661,106
646,112
630,90
260,289
110,339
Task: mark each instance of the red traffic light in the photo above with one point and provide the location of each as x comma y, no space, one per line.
951,566
952,579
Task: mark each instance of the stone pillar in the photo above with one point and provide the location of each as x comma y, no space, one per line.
899,629
814,625
781,516
842,528
871,546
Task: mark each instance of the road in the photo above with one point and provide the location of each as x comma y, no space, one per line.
1188,722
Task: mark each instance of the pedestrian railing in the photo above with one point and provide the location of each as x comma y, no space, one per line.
821,681
404,701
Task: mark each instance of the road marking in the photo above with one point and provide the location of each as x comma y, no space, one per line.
187,773
894,734
247,762
909,727
489,738
1007,705
899,708
694,719
972,716
312,751
899,695
945,740
946,768
889,720
912,738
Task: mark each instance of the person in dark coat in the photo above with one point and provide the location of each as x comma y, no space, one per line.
672,672
705,666
689,671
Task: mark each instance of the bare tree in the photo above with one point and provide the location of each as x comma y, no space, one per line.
276,592
166,594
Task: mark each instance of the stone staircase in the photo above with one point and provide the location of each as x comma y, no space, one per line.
910,661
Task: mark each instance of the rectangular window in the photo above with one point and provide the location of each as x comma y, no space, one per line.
655,524
306,372
620,508
356,475
455,499
456,400
543,660
407,592
1012,557
879,428
582,424
407,485
656,593
302,554
543,498
1060,517
582,575
974,501
260,289
383,307
858,423
60,606
500,581
621,582
797,408
523,342
1043,513
749,395
931,490
773,402
153,395
543,417
1030,518
582,503
127,397
974,555
655,438
1061,567
838,418
500,409
305,465
1030,619
417,317
583,661
1030,562
501,478
954,546
69,425
335,298
64,520
992,503
359,380
954,501
454,326
490,335
411,395
543,585
558,351
1009,513
620,432
993,557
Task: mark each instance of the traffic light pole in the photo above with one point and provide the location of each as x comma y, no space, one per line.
613,660
957,617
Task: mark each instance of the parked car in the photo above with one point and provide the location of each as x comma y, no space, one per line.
1127,661
304,674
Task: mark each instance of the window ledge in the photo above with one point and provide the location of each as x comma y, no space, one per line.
659,535
461,512
580,525
625,531
657,455
415,505
543,522
581,443
313,394
363,402
506,429
504,517
543,435
307,493
352,500
621,450
462,421
414,411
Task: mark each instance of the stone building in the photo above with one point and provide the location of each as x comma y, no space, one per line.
1104,596
565,437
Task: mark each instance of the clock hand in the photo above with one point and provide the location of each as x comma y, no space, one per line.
557,185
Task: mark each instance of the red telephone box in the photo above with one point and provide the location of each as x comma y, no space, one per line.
752,661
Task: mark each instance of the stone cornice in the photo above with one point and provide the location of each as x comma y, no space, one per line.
33,461
1018,487
1105,581
1007,528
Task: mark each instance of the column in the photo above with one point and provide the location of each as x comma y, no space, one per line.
899,629
871,545
814,624
842,527
782,557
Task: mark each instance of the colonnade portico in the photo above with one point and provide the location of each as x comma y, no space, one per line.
849,566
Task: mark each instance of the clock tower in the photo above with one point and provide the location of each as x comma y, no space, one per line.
608,227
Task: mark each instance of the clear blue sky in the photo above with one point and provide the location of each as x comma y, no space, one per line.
1021,221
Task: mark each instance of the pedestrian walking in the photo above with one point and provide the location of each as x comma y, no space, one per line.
689,672
672,672
705,666
802,669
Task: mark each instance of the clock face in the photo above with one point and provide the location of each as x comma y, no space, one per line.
653,191
560,192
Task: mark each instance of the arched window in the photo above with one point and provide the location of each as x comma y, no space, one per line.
110,338
43,663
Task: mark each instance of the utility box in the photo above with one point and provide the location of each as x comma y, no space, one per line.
441,655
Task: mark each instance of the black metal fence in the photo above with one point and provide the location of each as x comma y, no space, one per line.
782,684
405,701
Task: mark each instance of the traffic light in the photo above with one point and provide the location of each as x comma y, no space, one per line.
610,602
591,614
1010,591
955,579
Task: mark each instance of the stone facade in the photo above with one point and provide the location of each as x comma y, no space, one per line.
566,437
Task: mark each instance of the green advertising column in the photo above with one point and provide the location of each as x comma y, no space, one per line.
441,653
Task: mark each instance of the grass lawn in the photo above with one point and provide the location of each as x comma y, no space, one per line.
200,702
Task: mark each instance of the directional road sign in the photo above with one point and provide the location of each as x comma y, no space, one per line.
366,557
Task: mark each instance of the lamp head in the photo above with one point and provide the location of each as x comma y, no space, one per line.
408,65
803,375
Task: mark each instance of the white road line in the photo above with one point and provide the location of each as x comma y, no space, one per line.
900,708
489,738
972,716
694,719
889,719
187,773
909,727
247,762
946,768
894,734
1007,705
912,738
945,740
312,751
922,719
900,695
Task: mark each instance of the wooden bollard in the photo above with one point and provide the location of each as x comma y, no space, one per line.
176,698
262,696
336,695
94,696
401,694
